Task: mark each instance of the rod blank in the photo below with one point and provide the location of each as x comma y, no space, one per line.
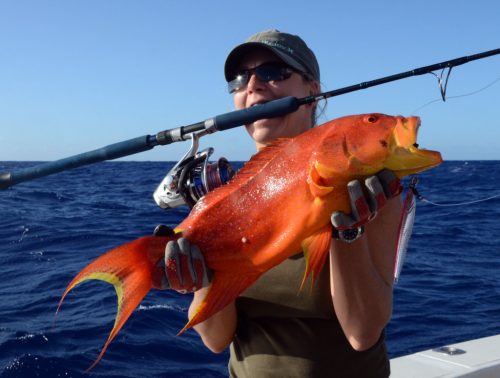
112,151
221,122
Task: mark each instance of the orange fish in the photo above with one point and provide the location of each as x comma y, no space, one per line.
279,203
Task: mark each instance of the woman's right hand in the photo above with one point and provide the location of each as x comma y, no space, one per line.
184,267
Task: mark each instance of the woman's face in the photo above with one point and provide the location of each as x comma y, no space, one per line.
265,131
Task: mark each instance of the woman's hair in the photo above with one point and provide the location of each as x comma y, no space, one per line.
318,110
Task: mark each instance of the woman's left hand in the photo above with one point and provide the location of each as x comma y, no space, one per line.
378,188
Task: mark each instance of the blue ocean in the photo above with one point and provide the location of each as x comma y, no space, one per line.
50,228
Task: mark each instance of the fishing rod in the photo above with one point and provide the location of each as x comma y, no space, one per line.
271,109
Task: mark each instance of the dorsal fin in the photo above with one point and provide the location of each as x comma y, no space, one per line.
257,162
260,160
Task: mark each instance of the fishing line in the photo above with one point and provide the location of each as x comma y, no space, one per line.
221,122
423,199
440,82
443,94
413,188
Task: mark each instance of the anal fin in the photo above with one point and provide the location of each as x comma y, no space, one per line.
223,290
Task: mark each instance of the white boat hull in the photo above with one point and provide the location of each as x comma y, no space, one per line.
474,358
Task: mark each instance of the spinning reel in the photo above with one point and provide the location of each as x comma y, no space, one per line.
192,177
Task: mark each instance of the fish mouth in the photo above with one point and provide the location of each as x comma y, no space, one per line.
406,157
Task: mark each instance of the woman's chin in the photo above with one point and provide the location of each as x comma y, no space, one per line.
264,131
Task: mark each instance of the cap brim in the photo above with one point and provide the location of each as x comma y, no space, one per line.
235,56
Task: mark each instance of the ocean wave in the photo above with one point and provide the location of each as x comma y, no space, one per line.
172,307
449,289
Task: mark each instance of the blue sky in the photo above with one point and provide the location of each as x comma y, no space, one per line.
77,75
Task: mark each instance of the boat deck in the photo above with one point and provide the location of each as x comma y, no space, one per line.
473,358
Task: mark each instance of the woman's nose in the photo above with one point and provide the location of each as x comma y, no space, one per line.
254,84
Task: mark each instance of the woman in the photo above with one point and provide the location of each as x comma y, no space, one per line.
337,327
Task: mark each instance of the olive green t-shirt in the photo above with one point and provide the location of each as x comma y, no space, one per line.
284,332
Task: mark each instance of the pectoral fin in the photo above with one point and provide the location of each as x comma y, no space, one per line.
316,248
317,180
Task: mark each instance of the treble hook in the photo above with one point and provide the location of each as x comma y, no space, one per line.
440,82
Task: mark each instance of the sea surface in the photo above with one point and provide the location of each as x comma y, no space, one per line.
50,228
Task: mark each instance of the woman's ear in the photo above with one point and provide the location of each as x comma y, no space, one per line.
315,88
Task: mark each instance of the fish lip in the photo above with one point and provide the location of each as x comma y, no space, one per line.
412,160
407,157
407,131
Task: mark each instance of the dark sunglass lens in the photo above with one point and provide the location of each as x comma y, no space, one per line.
238,82
272,72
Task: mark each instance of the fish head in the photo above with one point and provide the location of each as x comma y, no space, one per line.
372,142
406,157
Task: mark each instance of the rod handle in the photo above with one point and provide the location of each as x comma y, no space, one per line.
271,109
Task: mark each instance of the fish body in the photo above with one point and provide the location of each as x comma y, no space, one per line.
279,204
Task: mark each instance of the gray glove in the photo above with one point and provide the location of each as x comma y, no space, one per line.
185,268
379,188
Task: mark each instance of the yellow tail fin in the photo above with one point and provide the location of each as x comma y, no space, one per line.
131,269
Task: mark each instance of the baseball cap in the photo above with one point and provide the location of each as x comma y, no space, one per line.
290,48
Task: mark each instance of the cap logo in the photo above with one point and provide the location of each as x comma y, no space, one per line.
278,45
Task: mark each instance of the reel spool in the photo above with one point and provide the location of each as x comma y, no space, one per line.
192,177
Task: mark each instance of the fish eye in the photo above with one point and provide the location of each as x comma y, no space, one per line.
371,119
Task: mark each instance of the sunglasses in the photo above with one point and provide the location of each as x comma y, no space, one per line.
272,71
